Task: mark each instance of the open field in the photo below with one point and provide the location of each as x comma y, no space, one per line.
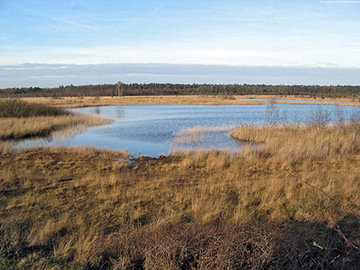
187,100
82,207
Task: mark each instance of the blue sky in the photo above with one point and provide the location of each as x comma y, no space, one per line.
268,33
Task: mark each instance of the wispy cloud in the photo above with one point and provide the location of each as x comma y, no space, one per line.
59,19
271,33
156,10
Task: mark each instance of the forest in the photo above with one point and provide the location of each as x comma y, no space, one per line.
142,89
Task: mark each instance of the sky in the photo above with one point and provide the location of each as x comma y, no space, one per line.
306,34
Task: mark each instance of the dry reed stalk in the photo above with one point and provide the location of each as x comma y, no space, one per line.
197,134
298,141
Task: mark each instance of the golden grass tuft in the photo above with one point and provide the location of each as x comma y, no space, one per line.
197,134
299,141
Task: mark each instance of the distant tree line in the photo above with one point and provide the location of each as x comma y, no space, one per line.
136,89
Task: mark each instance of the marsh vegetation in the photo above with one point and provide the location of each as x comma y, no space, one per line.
291,203
88,101
20,119
82,207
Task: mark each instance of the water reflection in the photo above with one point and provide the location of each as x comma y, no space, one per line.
120,114
96,110
300,100
153,130
33,142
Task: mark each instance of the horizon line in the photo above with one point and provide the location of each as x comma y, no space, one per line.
325,65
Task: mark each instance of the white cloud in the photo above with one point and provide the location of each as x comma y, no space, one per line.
190,54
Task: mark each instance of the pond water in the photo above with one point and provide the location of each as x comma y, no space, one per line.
153,130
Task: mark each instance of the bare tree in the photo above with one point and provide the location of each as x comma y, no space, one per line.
320,118
339,115
120,89
272,112
355,115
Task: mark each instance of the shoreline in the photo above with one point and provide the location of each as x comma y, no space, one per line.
78,102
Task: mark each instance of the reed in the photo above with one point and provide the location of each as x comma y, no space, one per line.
197,134
299,141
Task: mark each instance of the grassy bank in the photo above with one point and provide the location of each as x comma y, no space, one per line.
302,141
20,119
83,208
186,100
19,128
19,108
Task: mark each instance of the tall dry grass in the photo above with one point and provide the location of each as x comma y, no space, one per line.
209,209
90,208
20,119
17,128
197,134
300,141
20,108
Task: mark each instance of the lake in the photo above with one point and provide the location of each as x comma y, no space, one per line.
154,130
